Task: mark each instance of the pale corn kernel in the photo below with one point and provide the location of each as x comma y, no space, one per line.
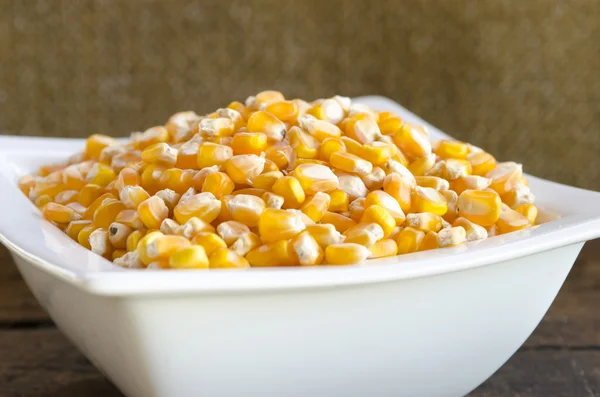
151,176
130,218
330,110
246,209
219,184
169,226
356,108
267,123
210,241
27,183
505,177
127,177
384,248
278,253
395,232
164,246
130,159
325,234
160,153
385,200
192,257
470,182
223,258
307,249
330,146
177,180
100,174
452,200
339,201
473,230
350,163
89,193
71,177
339,221
230,231
346,254
66,197
316,178
202,205
240,108
217,127
353,186
425,221
273,200
200,176
400,189
374,180
362,127
451,236
83,238
397,167
433,182
290,189
249,143
193,226
492,231
378,214
264,98
281,154
480,206
152,135
364,233
481,162
133,196
447,149
234,115
170,197
430,241
246,243
305,218
305,146
118,234
152,212
409,240
316,206
244,167
131,260
78,208
277,224
520,194
422,165
75,227
133,239
356,209
426,199
211,154
412,140
187,155
107,212
319,129
96,143
511,220
99,243
180,126
529,211
454,169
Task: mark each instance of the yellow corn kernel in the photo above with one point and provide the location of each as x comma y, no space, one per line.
246,243
264,98
251,191
230,231
283,110
330,146
290,189
66,197
307,249
385,200
133,239
505,177
447,149
240,108
187,155
383,248
339,201
210,154
150,178
266,179
325,234
117,254
350,163
389,123
218,184
78,208
396,232
430,241
200,176
329,110
117,235
378,153
413,141
211,242
409,240
273,200
357,209
281,154
194,226
91,209
520,194
433,182
180,126
26,184
305,146
160,153
192,257
346,254
130,218
400,189
362,127
278,253
276,225
233,115
83,238
480,206
364,233
100,174
217,127
316,206
426,199
316,178
99,243
59,213
511,220
481,162
249,143
319,129
127,177
203,205
72,178
529,211
142,140
223,258
473,231
162,247
422,165
340,222
153,211
378,214
270,166
470,182
352,185
374,180
244,167
95,143
169,226
246,208
267,123
452,199
425,221
170,197
452,236
133,196
75,227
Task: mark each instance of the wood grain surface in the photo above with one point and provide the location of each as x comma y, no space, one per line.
561,358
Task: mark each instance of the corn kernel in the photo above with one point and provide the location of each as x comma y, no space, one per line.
422,165
249,143
278,253
378,214
340,222
152,212
129,260
384,248
290,189
281,154
266,180
505,177
246,243
203,205
133,239
99,243
426,199
230,231
180,126
350,163
389,123
400,189
430,241
433,182
219,184
133,196
192,257
319,129
330,110
267,123
481,162
142,140
346,254
95,144
118,234
89,193
163,246
273,200
83,238
130,218
511,220
409,240
66,197
316,178
211,242
100,174
169,226
276,225
473,231
316,206
413,141
339,201
305,146
356,208
452,200
75,227
520,194
160,153
246,209
379,197
452,236
364,233
470,182
447,149
362,127
244,167
425,221
210,154
529,211
479,206
307,249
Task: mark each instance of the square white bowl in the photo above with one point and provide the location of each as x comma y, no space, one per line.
436,323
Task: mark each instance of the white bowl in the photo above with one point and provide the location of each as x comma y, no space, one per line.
436,323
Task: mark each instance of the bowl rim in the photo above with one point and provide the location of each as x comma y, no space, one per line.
47,248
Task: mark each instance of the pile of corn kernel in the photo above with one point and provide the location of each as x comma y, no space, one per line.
276,182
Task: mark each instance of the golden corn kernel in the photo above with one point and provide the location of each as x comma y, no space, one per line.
276,225
72,178
216,127
118,234
433,182
481,162
409,240
91,209
316,178
83,238
413,141
127,177
339,201
100,174
133,196
325,234
511,220
330,110
430,241
426,199
505,177
26,183
367,234
452,236
106,213
230,231
340,222
200,176
266,180
210,154
529,211
447,149
278,253
75,227
193,226
374,180
330,146
362,127
249,143
95,143
520,194
99,243
479,206
346,254
283,110
160,153
452,200
400,189
319,129
378,214
150,178
425,221
470,182
142,140
153,211
290,189
246,243
133,239
246,209
180,126
273,200
66,197
187,155
384,248
223,258
162,246
281,154
244,167
130,218
192,257
473,231
391,205
218,184
389,123
267,123
350,163
203,205
211,242
357,209
316,206
305,146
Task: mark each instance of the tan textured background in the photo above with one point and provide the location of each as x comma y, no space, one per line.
520,78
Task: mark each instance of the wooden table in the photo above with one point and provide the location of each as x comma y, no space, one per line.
561,358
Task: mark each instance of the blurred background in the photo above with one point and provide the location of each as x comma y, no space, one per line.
519,78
